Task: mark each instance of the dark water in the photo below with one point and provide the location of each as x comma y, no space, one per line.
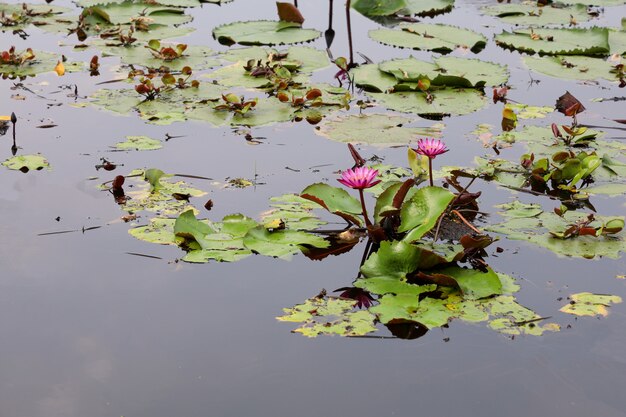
87,330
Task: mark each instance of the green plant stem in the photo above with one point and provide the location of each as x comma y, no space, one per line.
430,171
365,216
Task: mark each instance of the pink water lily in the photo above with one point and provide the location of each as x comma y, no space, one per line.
430,147
359,178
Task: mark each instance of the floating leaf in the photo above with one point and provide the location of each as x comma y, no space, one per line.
430,37
26,163
572,67
537,15
375,129
280,243
329,316
588,304
197,57
591,41
263,32
159,231
445,103
139,143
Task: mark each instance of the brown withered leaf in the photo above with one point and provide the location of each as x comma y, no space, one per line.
287,12
569,105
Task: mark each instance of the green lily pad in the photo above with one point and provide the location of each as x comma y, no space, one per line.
594,2
43,62
588,304
375,8
295,212
572,67
430,37
168,107
159,231
329,316
127,12
280,243
375,129
520,210
533,15
446,102
173,3
536,230
591,41
263,32
153,191
196,57
307,59
420,214
139,143
43,16
26,163
335,200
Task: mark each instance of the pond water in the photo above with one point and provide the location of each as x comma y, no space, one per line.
89,329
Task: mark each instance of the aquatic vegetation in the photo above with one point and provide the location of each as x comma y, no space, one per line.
424,244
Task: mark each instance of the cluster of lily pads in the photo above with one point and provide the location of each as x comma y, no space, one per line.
424,258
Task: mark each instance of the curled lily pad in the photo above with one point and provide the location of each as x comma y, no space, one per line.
420,214
263,32
139,143
26,163
375,129
592,41
334,199
430,37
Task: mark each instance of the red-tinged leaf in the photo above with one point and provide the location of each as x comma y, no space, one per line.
287,12
398,199
555,131
118,182
313,94
622,121
439,279
587,231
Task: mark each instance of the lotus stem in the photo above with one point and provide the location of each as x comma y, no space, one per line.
365,216
349,24
430,171
467,223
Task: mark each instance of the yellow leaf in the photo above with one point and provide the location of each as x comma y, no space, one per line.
60,69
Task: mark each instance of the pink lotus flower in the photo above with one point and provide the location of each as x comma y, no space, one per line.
359,178
430,147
